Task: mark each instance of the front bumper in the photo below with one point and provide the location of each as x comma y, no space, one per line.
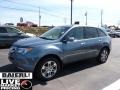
21,61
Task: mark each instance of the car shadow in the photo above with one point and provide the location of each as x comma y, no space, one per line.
70,69
5,47
9,68
67,70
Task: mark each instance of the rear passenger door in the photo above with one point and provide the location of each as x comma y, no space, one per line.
92,42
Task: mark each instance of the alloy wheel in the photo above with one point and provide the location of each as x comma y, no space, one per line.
104,55
49,69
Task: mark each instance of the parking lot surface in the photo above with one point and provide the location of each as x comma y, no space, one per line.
84,75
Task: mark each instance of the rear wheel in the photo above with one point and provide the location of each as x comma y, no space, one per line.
103,56
47,68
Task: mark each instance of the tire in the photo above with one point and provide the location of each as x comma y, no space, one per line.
47,69
116,36
103,56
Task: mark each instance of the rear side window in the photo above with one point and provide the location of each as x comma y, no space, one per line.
77,33
101,33
3,30
90,32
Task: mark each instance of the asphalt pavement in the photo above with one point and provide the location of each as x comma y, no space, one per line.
84,75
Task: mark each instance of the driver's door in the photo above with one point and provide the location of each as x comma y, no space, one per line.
74,50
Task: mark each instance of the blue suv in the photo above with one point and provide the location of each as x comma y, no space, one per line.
46,55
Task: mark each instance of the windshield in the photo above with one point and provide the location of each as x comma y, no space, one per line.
54,33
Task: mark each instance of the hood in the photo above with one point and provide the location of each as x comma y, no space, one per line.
32,42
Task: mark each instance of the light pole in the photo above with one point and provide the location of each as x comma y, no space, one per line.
39,17
65,19
71,11
101,18
86,18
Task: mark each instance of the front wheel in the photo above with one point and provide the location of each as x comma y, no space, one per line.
103,56
47,68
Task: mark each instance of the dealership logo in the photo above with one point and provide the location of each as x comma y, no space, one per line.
8,84
15,81
26,84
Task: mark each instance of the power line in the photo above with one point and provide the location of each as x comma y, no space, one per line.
28,10
22,3
44,10
12,8
30,5
2,0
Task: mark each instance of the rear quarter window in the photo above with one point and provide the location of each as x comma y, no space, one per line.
101,33
90,32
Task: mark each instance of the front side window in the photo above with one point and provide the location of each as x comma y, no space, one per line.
12,30
55,33
76,32
90,32
3,30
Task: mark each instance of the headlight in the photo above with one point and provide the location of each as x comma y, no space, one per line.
24,50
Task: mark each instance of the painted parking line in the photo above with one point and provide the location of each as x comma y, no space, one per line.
113,86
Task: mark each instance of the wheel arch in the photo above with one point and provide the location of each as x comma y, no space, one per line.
106,48
51,55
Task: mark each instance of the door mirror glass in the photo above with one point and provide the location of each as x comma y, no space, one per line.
71,39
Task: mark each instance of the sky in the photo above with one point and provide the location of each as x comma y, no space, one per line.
57,12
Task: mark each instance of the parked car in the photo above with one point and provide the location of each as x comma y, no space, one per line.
47,54
113,33
117,32
8,35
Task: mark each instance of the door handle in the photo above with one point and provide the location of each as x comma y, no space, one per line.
83,43
100,40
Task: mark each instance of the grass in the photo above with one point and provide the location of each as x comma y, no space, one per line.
34,30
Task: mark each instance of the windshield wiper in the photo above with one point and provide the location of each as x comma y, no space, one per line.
46,38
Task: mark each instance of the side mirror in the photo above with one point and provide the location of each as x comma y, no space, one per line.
71,39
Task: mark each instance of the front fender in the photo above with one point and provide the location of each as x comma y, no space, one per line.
55,49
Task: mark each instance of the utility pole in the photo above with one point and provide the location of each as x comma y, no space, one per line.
65,20
86,18
101,18
39,17
71,11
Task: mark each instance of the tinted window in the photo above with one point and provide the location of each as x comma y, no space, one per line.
3,30
101,33
77,33
91,32
12,30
